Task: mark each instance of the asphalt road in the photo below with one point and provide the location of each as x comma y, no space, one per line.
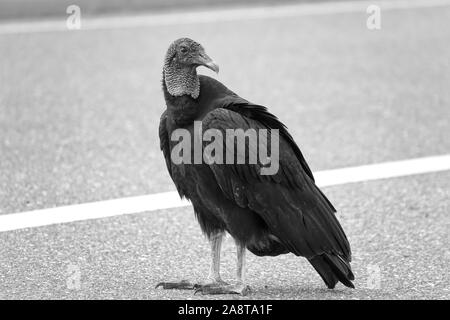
36,9
398,227
78,123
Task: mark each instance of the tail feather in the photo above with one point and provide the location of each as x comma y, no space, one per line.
332,269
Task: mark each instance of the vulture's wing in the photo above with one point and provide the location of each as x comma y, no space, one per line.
261,114
290,203
164,142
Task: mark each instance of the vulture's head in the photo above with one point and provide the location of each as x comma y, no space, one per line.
182,59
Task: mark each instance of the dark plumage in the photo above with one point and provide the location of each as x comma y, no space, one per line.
268,215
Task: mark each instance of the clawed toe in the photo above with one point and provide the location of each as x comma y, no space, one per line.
217,287
182,285
241,289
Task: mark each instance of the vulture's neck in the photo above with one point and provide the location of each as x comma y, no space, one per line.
181,81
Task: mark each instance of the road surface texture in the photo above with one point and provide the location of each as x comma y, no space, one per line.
78,123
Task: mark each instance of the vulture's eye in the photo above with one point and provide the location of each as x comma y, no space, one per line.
183,49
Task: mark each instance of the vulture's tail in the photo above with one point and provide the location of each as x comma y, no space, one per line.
332,269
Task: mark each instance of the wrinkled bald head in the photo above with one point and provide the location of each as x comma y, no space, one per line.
185,53
180,67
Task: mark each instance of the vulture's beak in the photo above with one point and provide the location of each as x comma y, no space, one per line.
205,60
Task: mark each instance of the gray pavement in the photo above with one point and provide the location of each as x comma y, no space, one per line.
398,229
80,110
37,9
78,122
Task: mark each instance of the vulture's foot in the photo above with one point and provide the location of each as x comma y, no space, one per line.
182,285
240,288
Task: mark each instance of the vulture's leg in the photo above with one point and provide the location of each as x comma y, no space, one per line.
214,271
240,287
240,270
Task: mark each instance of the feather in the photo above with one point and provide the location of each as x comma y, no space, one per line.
272,214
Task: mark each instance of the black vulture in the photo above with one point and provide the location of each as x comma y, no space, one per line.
267,214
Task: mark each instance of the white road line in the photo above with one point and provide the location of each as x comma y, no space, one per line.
215,15
382,170
166,200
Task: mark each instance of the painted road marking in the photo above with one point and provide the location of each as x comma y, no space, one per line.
215,15
167,200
